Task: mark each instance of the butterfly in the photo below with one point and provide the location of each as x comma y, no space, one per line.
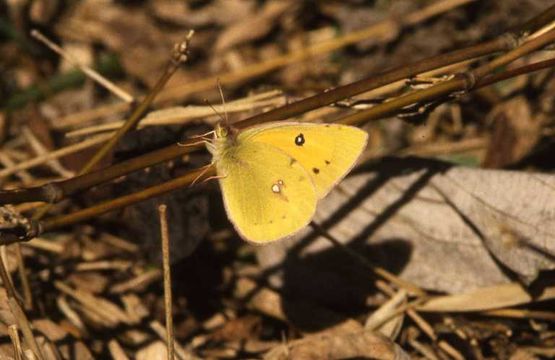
272,175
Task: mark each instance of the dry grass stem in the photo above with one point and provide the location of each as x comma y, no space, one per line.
41,159
168,308
119,265
16,342
185,114
45,245
116,350
39,149
22,271
71,315
138,282
25,326
379,32
180,351
486,298
7,162
389,319
91,73
119,243
105,312
89,288
418,320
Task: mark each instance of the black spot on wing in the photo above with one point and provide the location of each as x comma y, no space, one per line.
299,140
316,171
292,161
327,162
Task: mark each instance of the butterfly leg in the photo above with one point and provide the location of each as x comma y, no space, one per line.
214,177
203,172
204,138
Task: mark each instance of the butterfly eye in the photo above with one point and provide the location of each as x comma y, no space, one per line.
220,131
299,140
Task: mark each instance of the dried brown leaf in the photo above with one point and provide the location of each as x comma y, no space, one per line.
241,328
451,229
155,351
218,12
515,133
386,318
129,31
50,329
76,350
487,298
254,27
339,345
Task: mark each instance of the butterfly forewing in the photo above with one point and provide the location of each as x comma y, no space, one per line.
326,151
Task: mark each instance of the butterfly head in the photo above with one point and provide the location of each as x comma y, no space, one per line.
224,137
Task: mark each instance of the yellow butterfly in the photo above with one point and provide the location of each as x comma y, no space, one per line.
272,175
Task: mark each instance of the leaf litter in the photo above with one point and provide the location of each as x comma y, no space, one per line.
465,253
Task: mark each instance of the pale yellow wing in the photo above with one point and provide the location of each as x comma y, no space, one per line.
326,151
267,195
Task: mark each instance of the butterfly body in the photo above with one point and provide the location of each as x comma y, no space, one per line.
272,175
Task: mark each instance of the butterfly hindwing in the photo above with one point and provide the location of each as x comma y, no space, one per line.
266,193
326,151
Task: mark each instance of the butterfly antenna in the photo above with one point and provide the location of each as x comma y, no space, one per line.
222,118
228,125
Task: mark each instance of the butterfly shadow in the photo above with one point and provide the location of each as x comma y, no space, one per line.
334,278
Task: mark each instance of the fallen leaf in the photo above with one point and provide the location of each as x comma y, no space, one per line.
339,345
253,27
219,12
444,228
488,298
143,47
515,133
155,351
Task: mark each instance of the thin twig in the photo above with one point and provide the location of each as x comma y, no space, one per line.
69,186
7,162
148,193
184,180
39,148
462,82
182,354
179,56
70,149
423,325
27,294
16,342
165,238
25,327
183,115
381,110
379,33
4,275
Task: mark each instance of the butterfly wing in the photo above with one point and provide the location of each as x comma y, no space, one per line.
267,195
326,151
